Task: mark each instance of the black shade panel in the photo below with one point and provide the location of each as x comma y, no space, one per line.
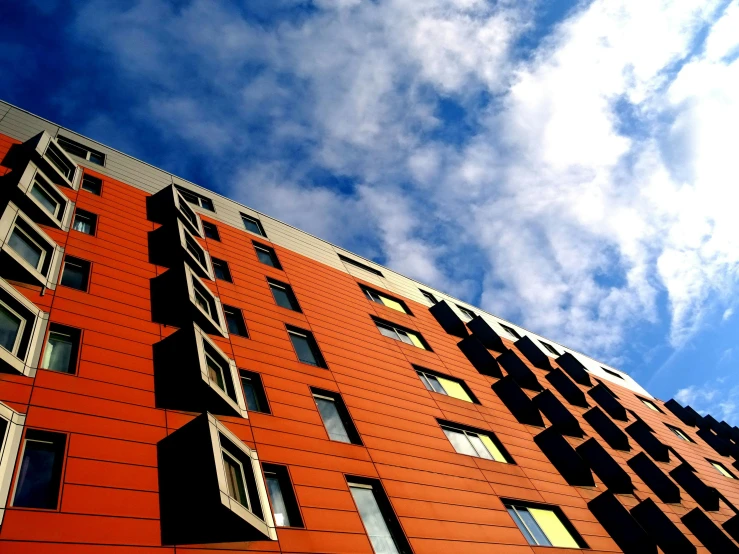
574,369
706,497
479,356
642,434
620,525
486,334
607,429
661,529
559,416
517,402
605,467
660,484
710,534
533,353
608,402
720,445
567,388
564,458
448,319
516,368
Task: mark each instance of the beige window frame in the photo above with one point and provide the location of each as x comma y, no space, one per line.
9,448
203,267
33,330
52,155
214,313
32,177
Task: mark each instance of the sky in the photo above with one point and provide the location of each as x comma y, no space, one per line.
570,166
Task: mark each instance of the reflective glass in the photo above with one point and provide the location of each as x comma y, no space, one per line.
201,300
58,353
377,529
283,297
44,198
303,349
252,226
533,527
252,401
10,325
278,501
37,486
479,447
332,420
265,257
74,276
460,442
28,250
83,224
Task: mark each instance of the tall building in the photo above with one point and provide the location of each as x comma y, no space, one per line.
182,373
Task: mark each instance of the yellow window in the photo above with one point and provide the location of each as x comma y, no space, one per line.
722,470
650,405
454,389
493,449
392,304
415,340
553,528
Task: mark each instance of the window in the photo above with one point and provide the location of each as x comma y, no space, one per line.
467,315
611,372
544,526
85,222
40,474
256,398
407,336
235,321
253,225
649,404
380,523
221,271
435,382
211,231
284,295
721,469
22,241
305,346
237,467
195,250
11,429
45,194
11,328
511,331
472,442
680,433
385,300
430,297
81,151
282,497
76,273
92,184
267,255
196,199
335,417
549,348
61,162
62,347
22,330
360,265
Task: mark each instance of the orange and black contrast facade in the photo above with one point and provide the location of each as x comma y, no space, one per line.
180,373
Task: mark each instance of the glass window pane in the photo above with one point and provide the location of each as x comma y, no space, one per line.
435,384
74,276
722,470
416,341
27,249
519,522
91,184
533,527
194,249
235,479
493,449
37,483
454,389
97,158
215,372
459,441
403,336
207,204
278,501
377,530
58,160
83,224
303,349
44,198
332,420
201,300
388,332
553,528
480,448
252,400
265,257
252,226
58,353
426,382
10,325
282,298
392,304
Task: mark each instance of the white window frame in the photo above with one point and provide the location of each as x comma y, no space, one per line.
183,208
227,365
204,270
217,319
40,145
266,525
29,363
507,329
21,328
9,451
65,207
240,465
468,315
489,435
398,332
551,353
88,150
8,223
197,195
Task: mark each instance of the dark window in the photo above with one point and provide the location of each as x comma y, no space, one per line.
256,398
267,255
511,331
61,161
721,468
430,297
81,151
549,348
253,225
85,222
305,346
402,334
240,481
649,404
385,300
76,273
196,199
281,496
92,184
62,348
335,417
544,525
360,265
211,231
220,268
610,372
40,473
235,321
467,315
382,527
680,433
284,295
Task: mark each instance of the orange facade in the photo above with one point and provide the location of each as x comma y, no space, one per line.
444,501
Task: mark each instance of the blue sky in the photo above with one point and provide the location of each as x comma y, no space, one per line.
567,165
